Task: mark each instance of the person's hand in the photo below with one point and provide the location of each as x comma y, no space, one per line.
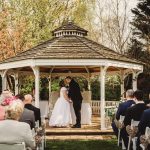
148,105
70,101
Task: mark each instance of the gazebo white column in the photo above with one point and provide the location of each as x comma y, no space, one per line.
37,85
16,83
88,79
102,92
50,86
134,81
4,79
122,76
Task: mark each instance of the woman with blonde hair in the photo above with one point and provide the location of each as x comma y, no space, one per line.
11,130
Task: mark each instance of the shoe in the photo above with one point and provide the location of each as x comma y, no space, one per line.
76,126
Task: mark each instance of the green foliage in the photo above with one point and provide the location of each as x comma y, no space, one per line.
28,23
139,46
141,21
27,84
55,84
112,88
95,88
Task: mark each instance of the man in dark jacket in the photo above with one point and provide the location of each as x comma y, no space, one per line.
122,111
144,122
75,95
135,112
28,105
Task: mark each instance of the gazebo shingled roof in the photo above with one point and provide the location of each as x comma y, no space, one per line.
70,46
70,26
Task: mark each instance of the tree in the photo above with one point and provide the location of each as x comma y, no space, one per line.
109,24
139,46
26,23
141,23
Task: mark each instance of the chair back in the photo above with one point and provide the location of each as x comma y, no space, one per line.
121,118
147,132
37,124
15,146
134,123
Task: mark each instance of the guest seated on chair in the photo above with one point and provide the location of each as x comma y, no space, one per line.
135,112
144,122
11,130
28,105
123,108
27,115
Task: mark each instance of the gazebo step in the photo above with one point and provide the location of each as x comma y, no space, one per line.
78,132
80,137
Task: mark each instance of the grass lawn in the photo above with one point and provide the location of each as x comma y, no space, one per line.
82,145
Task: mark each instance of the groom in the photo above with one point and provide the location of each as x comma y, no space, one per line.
75,95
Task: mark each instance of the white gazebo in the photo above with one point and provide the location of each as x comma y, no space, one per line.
69,52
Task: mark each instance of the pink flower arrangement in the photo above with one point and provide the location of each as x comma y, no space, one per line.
8,100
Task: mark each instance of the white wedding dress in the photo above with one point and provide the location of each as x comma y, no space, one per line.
61,114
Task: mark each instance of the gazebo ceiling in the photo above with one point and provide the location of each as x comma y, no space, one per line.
70,43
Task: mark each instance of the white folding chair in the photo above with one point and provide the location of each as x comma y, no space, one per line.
147,134
15,146
134,140
44,137
37,124
119,130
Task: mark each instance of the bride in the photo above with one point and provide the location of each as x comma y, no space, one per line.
61,115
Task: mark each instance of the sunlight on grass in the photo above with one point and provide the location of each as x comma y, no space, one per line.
82,145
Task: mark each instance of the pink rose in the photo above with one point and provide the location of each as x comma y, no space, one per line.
8,100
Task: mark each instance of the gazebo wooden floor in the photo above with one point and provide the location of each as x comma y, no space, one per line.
87,132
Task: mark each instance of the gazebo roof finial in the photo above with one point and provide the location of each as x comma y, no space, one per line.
69,28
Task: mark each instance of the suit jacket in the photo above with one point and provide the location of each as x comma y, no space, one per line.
74,92
37,112
135,112
123,108
28,117
144,122
12,131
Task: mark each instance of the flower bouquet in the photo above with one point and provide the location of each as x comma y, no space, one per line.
8,100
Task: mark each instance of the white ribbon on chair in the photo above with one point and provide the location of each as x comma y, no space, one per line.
121,121
133,124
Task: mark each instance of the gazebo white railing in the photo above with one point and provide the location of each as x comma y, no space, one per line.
95,104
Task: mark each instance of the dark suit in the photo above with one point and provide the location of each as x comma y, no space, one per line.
75,95
122,111
28,117
144,122
123,108
37,112
135,112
